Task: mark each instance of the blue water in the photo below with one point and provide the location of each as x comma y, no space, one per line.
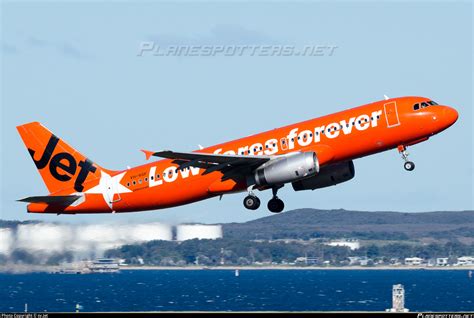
299,290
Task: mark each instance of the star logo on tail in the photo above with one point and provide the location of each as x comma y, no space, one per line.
109,186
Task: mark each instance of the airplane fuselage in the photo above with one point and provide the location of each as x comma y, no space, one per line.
339,137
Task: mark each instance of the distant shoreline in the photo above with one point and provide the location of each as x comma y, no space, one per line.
297,268
21,269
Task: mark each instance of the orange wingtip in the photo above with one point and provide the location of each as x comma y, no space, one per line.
148,153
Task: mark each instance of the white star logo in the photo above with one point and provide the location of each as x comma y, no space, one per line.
109,186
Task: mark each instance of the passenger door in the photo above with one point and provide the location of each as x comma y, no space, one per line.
391,114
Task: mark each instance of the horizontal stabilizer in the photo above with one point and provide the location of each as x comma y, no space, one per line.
52,199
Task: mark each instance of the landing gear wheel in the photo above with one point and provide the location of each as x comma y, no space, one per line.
251,202
276,205
409,166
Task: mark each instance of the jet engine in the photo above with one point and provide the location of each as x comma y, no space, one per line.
287,168
328,176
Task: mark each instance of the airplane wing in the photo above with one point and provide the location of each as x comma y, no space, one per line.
229,165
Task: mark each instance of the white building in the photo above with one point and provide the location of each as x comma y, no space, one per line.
198,231
353,245
442,261
413,261
465,261
358,260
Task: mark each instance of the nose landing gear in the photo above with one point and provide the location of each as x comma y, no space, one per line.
408,165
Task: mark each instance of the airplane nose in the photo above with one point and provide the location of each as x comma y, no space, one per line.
450,115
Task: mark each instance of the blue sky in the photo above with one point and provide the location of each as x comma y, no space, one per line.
74,67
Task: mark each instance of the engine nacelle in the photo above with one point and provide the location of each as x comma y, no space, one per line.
287,169
328,176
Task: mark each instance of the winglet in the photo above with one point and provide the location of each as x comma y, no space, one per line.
148,153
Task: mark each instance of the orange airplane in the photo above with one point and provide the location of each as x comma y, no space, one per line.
312,154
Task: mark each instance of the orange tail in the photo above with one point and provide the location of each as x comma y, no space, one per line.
60,165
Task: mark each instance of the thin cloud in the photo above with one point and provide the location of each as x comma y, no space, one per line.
222,34
62,47
71,51
9,49
33,41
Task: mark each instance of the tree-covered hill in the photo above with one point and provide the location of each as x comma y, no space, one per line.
312,223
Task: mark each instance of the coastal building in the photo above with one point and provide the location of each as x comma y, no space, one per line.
413,261
442,261
465,261
305,260
358,260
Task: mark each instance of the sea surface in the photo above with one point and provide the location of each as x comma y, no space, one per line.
274,290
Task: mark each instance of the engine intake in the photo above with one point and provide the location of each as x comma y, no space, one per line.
287,169
328,176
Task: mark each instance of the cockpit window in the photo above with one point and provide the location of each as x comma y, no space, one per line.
424,104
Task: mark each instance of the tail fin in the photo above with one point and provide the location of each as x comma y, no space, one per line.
60,165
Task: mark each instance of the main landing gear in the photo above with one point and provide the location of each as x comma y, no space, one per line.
252,202
275,205
408,165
